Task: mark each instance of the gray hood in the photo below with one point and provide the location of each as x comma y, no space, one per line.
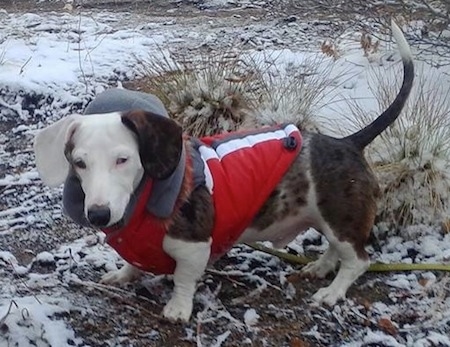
164,192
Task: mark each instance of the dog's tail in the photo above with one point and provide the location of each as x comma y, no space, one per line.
365,136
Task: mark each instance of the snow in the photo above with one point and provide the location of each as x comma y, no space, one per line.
45,257
434,339
51,64
30,322
381,338
61,52
221,339
251,317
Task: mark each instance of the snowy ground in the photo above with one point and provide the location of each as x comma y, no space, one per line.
53,63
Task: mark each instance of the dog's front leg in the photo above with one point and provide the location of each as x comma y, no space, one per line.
191,258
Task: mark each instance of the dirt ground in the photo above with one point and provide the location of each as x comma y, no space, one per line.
185,8
130,316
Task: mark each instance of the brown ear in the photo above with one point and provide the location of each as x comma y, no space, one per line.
160,141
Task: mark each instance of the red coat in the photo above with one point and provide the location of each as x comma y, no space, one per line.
241,170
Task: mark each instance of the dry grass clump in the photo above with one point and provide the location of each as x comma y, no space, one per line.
294,93
368,44
230,91
208,95
330,49
411,158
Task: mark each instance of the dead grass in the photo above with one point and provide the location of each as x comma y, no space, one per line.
294,93
233,90
212,94
411,156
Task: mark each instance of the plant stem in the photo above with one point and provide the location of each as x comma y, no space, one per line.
377,267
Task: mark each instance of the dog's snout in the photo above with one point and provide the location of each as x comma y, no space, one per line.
99,215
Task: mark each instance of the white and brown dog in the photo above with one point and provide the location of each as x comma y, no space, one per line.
164,200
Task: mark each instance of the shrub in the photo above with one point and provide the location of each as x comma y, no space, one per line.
231,91
411,157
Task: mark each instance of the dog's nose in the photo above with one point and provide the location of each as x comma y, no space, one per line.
99,215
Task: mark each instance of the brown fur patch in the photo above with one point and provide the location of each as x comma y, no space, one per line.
193,218
346,189
160,141
68,148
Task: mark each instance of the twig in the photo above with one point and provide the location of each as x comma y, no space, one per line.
13,184
199,329
290,258
363,317
338,319
25,313
14,108
23,282
435,12
221,273
110,289
121,294
376,267
24,65
13,211
11,304
262,281
79,54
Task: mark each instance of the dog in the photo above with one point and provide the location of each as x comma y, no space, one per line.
126,158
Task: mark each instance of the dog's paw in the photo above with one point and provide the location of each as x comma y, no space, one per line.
123,275
317,269
114,277
178,310
328,296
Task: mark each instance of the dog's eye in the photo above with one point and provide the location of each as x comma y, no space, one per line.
121,161
79,164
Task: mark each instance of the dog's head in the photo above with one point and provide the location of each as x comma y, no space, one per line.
109,153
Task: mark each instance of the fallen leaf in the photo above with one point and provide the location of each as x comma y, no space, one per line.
297,342
367,304
423,282
446,226
386,325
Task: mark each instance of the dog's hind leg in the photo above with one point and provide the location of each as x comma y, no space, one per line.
352,265
324,265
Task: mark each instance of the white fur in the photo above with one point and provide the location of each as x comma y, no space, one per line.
402,44
324,265
350,269
99,140
125,274
192,259
49,146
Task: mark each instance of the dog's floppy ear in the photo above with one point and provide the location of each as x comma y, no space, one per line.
160,141
49,149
